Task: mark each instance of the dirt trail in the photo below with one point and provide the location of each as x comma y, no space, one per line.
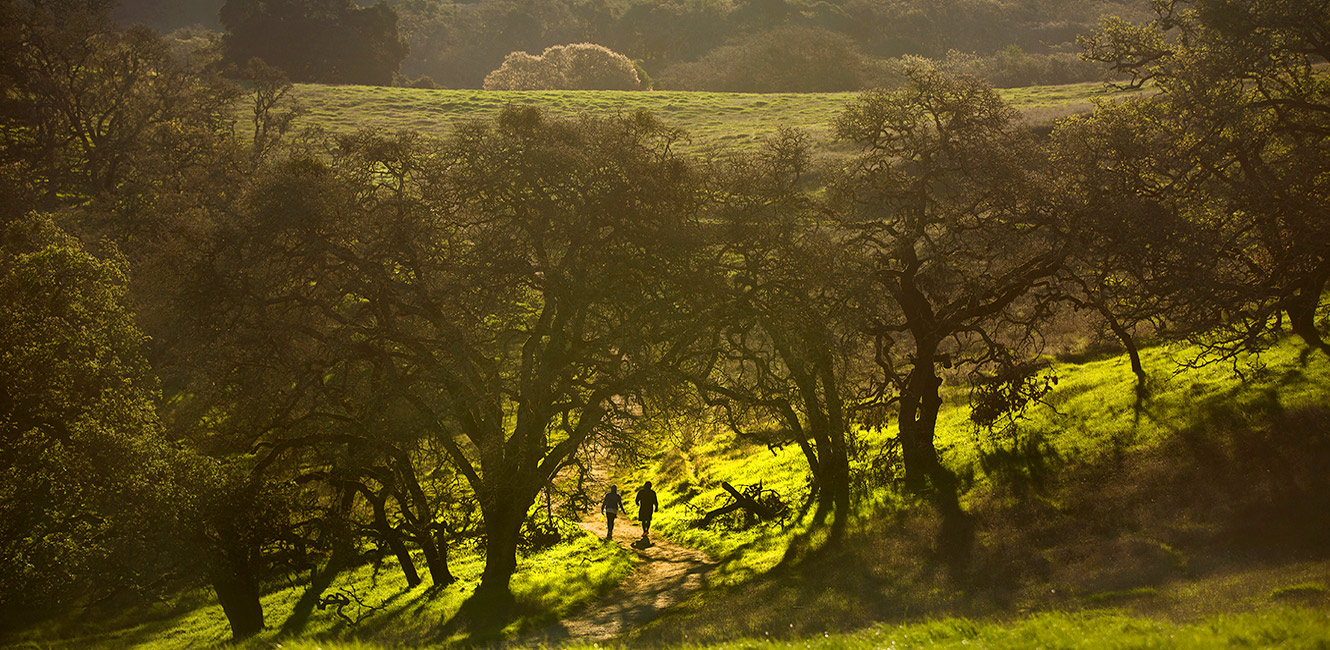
665,575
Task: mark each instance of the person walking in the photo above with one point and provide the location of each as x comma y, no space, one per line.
611,505
646,507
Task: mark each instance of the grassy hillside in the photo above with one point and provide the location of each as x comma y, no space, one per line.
1206,496
1103,519
1284,627
549,585
712,119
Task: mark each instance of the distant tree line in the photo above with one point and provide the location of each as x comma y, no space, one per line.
751,45
235,349
725,46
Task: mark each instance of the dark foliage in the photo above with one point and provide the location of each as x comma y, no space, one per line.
325,41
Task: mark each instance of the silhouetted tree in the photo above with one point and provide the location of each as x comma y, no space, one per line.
945,200
535,301
1248,109
502,296
1125,202
785,349
281,343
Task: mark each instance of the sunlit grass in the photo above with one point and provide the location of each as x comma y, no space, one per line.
549,585
1093,413
1275,628
712,120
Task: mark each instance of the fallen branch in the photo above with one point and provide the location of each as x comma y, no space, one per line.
743,501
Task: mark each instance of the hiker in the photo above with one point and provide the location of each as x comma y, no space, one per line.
611,505
646,507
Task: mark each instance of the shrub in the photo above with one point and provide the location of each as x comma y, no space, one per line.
579,66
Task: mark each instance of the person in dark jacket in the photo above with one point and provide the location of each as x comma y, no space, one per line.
646,507
611,505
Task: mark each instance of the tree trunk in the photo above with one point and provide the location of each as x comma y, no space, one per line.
920,403
391,536
1128,342
1301,309
419,515
491,605
395,544
833,488
838,484
238,592
829,461
436,558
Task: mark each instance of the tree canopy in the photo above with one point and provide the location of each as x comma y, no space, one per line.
326,41
88,477
579,66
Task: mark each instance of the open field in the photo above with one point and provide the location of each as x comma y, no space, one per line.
711,119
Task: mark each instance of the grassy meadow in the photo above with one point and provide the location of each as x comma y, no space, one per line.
712,120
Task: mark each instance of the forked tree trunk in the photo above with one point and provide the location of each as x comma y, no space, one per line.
391,536
836,494
833,485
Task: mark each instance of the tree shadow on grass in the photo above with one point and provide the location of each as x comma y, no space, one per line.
1244,486
1221,494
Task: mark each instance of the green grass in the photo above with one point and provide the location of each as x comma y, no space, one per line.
1276,628
1300,590
730,120
1093,412
1167,503
548,585
1112,527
